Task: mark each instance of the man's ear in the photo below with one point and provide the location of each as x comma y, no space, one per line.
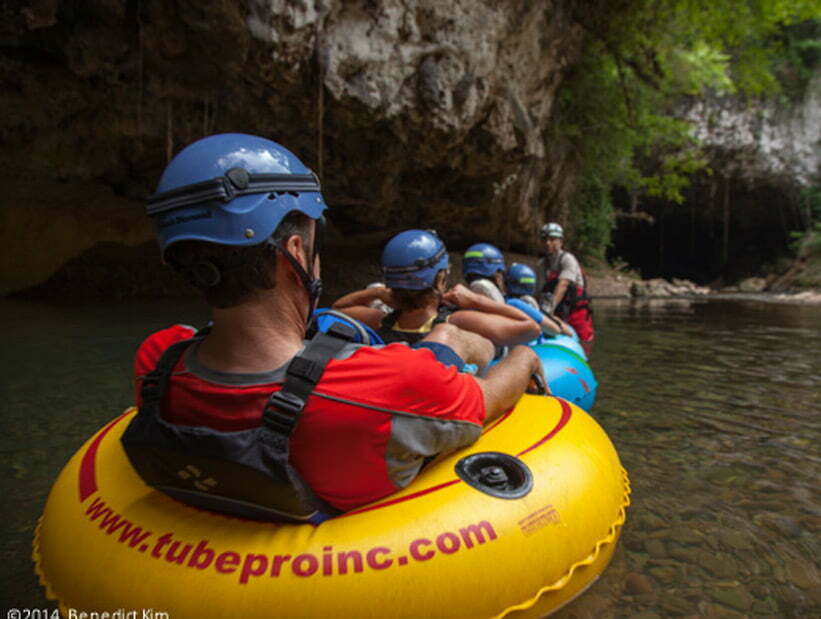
295,245
441,282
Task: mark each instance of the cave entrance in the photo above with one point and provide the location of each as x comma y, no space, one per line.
725,231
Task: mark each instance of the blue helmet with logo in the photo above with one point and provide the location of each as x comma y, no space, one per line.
412,258
520,279
482,259
231,189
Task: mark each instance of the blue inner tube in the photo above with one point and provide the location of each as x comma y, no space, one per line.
571,342
568,374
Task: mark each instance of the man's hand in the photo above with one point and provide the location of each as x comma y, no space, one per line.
538,385
536,367
385,295
461,297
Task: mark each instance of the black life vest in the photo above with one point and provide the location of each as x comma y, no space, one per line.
575,297
389,335
245,473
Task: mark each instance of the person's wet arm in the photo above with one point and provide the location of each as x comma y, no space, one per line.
566,328
499,322
558,294
363,297
550,326
471,347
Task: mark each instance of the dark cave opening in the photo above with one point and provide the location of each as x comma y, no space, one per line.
724,231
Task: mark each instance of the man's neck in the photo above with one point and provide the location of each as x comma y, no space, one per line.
257,336
413,319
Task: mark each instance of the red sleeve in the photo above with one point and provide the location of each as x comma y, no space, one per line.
152,348
405,380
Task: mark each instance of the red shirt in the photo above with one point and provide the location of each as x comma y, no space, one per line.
374,417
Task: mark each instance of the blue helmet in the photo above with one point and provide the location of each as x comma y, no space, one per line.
520,279
231,189
412,259
482,259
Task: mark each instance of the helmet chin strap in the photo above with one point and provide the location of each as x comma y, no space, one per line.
312,285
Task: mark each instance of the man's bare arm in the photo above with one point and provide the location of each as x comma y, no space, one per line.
558,294
356,304
500,322
363,297
507,381
472,348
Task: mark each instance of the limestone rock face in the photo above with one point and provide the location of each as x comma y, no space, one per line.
767,141
414,112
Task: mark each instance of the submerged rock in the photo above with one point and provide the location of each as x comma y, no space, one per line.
635,584
735,597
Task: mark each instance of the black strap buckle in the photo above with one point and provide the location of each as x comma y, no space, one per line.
306,369
342,331
282,411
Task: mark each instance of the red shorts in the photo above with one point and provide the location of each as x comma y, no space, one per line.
582,321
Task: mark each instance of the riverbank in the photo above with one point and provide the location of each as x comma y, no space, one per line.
607,282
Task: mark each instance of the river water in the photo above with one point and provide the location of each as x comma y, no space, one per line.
714,407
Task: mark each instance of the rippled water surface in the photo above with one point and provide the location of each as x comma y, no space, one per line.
714,407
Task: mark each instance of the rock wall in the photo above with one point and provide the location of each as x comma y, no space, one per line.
414,112
737,220
769,142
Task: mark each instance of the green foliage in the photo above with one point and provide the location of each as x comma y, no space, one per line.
698,68
592,219
800,46
616,111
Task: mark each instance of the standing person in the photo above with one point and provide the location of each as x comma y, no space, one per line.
415,264
250,419
563,285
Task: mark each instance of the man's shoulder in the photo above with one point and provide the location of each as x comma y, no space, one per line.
407,380
155,344
396,355
401,364
170,335
569,258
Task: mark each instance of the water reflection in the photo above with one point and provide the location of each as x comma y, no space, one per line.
713,406
65,372
714,409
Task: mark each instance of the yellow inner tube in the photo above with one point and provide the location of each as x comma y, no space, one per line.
439,547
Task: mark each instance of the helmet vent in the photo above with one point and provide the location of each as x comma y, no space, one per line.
276,194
